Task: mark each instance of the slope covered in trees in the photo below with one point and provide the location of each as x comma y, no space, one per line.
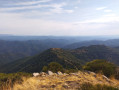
14,50
97,52
68,58
36,63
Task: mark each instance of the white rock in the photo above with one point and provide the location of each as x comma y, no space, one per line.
92,73
65,74
104,77
36,74
73,74
50,73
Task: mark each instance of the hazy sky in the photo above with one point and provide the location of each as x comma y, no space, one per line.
59,17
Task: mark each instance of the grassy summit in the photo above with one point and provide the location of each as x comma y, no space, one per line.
72,81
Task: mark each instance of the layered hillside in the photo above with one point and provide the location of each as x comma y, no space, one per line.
97,52
68,58
14,50
110,43
36,63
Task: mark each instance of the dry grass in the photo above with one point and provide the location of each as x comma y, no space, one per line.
62,82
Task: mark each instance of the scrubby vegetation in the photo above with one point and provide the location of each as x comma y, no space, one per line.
54,67
8,80
68,79
98,66
101,66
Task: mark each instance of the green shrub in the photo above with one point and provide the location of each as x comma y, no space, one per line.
70,70
103,66
55,67
45,69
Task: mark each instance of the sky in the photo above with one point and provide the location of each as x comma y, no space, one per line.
59,17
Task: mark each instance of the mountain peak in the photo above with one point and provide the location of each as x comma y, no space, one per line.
55,49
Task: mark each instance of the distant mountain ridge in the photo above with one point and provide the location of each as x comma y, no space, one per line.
75,38
14,50
97,52
111,43
11,50
68,58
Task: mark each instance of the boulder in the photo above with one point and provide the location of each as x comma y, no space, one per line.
66,74
105,78
36,74
50,73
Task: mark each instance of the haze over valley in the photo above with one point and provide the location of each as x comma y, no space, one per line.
59,45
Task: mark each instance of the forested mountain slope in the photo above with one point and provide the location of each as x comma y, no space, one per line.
68,58
36,63
97,52
14,50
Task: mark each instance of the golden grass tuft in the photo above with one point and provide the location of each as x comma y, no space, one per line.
62,82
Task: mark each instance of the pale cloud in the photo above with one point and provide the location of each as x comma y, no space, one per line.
30,2
108,18
78,1
76,7
102,20
69,11
58,8
61,18
53,8
111,15
24,7
18,25
107,10
101,8
104,9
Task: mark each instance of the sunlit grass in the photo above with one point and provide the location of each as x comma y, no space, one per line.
57,81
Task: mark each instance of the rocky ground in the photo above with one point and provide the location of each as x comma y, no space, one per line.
63,81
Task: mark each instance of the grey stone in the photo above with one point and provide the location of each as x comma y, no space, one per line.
105,78
50,73
36,74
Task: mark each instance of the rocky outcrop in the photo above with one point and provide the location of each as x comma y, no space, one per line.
72,81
